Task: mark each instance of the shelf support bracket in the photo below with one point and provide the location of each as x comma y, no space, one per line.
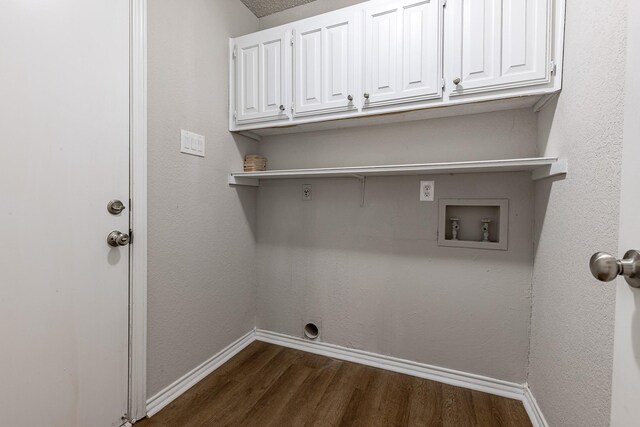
247,182
544,101
363,183
250,135
560,167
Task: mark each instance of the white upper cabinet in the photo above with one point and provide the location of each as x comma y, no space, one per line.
260,83
421,58
402,52
324,64
497,44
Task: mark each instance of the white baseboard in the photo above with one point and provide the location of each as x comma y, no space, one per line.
421,370
177,388
443,375
533,409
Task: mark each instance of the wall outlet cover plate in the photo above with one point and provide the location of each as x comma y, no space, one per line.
306,192
427,191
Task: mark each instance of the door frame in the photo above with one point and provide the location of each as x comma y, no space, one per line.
138,212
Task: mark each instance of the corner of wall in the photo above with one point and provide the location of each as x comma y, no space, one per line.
201,292
571,343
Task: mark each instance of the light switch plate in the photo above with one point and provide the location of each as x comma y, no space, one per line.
191,143
427,191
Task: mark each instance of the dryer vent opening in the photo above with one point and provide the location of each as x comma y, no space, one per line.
311,331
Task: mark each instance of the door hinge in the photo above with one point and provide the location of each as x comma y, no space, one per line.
235,52
235,116
292,107
444,84
553,67
444,3
293,36
130,236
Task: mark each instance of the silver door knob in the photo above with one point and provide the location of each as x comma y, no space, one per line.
350,98
606,267
456,81
282,108
116,238
366,96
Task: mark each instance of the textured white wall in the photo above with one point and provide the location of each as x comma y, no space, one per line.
505,134
201,232
573,314
374,275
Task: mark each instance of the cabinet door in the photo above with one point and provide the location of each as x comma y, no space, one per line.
324,64
260,74
402,52
497,44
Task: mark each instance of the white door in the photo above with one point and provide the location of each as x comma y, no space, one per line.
64,153
625,398
402,52
260,73
324,64
496,44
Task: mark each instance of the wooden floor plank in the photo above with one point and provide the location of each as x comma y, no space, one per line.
395,410
268,409
364,403
302,408
246,365
484,409
192,407
458,409
511,411
269,385
425,403
335,400
233,406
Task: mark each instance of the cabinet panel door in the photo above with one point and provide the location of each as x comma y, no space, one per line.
271,72
421,43
259,77
498,44
324,64
402,52
309,71
248,99
382,56
338,79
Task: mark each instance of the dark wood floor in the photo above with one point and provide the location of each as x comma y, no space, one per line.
268,385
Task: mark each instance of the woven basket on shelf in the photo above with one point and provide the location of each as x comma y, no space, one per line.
255,163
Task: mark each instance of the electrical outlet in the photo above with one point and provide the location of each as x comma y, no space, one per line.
306,192
191,143
427,191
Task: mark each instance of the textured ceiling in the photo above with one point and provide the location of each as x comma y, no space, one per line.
262,8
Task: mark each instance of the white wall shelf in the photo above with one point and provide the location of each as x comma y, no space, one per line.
540,168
